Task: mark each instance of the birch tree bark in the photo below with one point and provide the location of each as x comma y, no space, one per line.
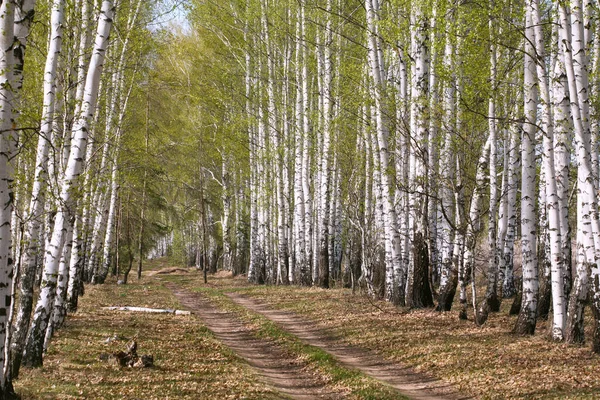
299,211
449,274
282,242
514,161
35,338
552,201
474,227
527,316
570,38
36,205
325,189
419,292
491,302
562,149
7,96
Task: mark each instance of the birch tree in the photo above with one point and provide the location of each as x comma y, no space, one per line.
552,201
36,206
527,317
7,95
419,292
35,338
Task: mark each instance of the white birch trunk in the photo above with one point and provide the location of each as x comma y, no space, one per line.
59,309
585,242
390,219
508,286
36,205
7,96
433,154
308,209
551,191
527,317
325,184
449,272
282,242
492,302
503,214
419,292
474,225
34,347
299,212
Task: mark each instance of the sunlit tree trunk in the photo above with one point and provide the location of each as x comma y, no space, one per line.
299,212
527,316
551,190
575,61
563,138
282,240
449,273
419,291
80,230
433,156
7,96
325,184
306,181
390,219
474,224
36,205
59,309
253,265
34,347
514,161
491,302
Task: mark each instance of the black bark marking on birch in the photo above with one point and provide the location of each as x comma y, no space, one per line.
447,292
545,300
526,322
324,266
574,332
34,348
595,305
421,294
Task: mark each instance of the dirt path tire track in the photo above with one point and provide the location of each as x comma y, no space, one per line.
408,382
271,363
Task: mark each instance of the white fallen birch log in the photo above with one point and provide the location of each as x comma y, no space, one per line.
148,310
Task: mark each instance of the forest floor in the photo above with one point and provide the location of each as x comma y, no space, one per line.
266,342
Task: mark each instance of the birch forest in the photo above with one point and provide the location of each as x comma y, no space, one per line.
438,154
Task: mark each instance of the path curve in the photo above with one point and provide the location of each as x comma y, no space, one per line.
408,382
271,363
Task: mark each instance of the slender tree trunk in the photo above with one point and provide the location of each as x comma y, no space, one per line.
474,224
551,191
34,346
419,291
571,34
449,272
299,202
36,206
527,316
282,242
325,188
7,96
492,303
508,286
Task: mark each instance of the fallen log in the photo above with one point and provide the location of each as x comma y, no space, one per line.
148,310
